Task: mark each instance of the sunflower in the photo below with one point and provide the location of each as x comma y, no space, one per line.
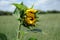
30,16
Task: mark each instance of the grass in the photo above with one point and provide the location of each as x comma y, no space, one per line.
48,23
8,26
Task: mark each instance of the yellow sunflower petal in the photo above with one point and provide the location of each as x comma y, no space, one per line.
29,21
30,11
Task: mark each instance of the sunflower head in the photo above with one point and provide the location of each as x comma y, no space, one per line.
30,16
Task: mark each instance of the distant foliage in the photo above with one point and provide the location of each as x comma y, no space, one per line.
41,12
49,11
5,13
53,11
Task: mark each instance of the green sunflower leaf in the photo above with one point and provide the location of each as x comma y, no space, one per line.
20,6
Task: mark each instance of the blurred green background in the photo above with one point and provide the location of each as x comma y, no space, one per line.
49,23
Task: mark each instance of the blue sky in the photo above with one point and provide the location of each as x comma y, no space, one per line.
38,4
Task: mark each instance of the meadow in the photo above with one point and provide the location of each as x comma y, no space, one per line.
49,24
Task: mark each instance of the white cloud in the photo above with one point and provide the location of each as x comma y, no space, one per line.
40,2
2,3
7,5
48,5
11,8
7,2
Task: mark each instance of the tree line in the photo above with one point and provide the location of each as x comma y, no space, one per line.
39,11
5,12
48,11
